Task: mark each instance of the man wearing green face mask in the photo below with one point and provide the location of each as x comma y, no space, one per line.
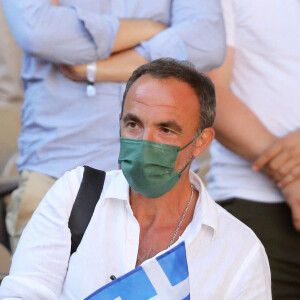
152,204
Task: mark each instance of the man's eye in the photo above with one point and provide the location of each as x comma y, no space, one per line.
132,125
167,131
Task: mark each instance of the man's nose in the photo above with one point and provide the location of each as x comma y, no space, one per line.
148,135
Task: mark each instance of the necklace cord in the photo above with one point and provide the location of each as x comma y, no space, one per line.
182,218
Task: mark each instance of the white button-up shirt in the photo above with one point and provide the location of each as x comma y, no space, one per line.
225,259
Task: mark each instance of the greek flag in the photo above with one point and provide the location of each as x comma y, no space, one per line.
165,277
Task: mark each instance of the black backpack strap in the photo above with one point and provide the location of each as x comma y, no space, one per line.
85,203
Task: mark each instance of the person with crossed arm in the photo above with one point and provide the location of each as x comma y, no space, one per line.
255,169
68,121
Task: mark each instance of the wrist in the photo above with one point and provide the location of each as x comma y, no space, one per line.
91,70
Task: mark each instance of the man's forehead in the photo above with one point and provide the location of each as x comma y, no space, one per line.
146,82
161,91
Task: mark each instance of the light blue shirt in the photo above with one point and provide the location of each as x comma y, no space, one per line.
62,127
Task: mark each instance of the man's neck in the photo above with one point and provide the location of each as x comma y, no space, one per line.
162,209
158,218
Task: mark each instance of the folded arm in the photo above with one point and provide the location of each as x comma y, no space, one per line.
236,126
189,36
239,130
196,33
281,161
84,37
116,68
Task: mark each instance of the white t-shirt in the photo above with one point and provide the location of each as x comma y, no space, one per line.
225,258
266,77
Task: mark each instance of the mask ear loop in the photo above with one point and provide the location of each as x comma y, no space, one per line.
189,162
192,141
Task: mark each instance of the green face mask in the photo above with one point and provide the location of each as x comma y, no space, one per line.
149,166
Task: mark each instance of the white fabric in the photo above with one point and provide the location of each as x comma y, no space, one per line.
265,35
225,258
162,285
229,21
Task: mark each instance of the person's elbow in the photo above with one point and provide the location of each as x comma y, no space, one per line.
32,41
51,48
208,50
208,56
216,54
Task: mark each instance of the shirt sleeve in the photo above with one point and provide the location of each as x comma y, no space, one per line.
196,33
40,262
253,281
65,34
229,20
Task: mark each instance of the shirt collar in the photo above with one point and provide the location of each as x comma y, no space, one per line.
206,212
116,187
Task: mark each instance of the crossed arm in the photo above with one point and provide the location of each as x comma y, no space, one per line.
187,37
238,129
88,36
124,60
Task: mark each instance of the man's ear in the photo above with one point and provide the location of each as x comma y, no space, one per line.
204,140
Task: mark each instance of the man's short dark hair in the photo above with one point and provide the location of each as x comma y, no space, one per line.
185,71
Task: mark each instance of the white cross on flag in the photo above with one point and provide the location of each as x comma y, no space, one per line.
165,277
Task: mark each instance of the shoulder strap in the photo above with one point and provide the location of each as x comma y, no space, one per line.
85,203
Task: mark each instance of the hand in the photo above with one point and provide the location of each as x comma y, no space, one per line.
281,161
54,2
292,196
75,73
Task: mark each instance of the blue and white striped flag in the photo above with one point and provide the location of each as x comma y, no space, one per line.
165,277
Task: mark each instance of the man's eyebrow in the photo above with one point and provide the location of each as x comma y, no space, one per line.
170,124
131,117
